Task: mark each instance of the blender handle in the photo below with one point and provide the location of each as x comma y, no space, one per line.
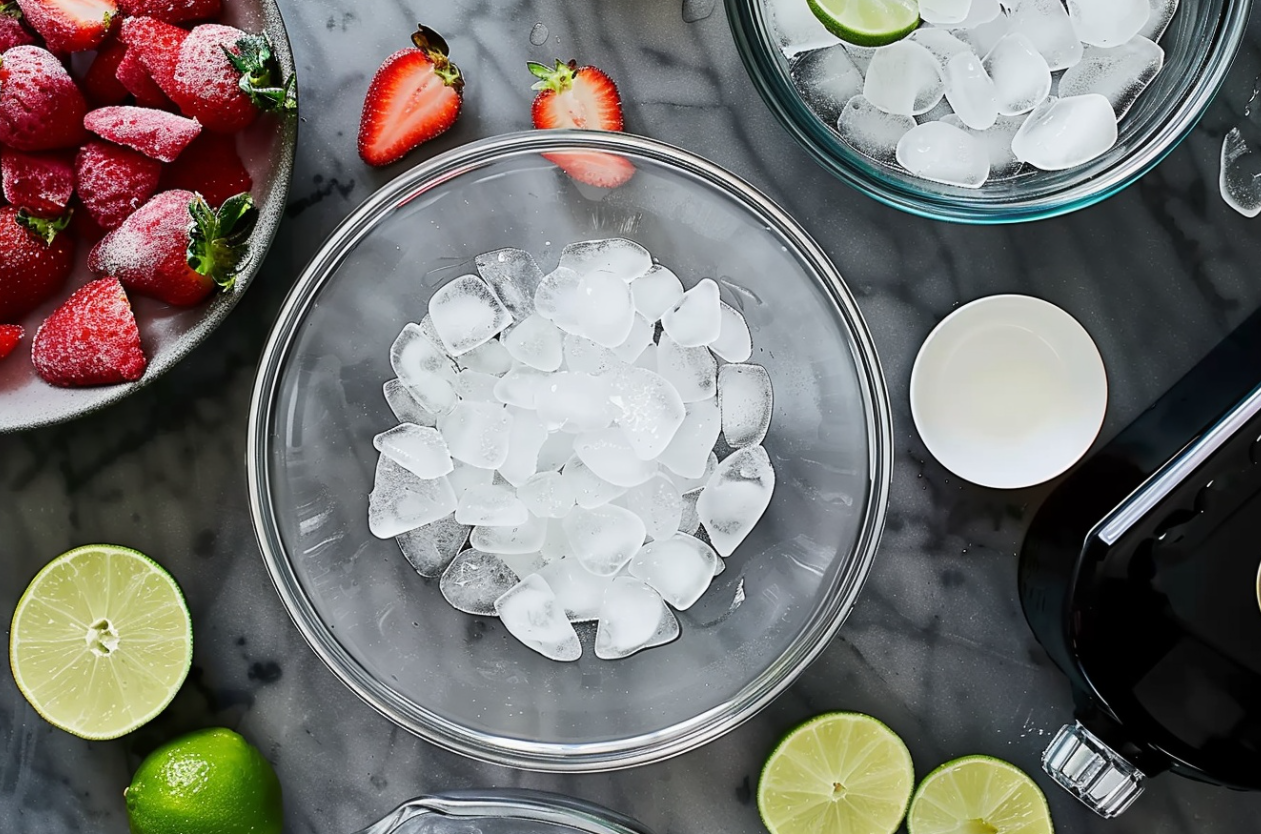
1085,766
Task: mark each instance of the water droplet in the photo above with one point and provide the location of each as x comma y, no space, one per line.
694,10
538,35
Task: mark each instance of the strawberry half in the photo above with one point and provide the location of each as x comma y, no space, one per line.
40,183
40,107
156,45
155,133
415,95
12,32
91,339
135,76
10,335
224,77
113,181
35,261
571,96
211,167
172,11
70,25
176,248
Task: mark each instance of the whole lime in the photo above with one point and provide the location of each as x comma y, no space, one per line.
206,782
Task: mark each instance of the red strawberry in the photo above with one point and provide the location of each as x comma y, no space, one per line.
34,261
40,183
100,83
40,107
157,46
415,96
211,167
70,25
12,32
175,248
91,339
172,11
133,75
10,335
155,133
113,182
224,77
581,97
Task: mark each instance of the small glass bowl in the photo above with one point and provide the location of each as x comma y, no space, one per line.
463,682
1200,45
507,811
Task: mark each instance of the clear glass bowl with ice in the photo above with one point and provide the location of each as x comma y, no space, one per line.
460,679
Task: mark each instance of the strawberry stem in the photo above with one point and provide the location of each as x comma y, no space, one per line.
255,58
436,50
10,8
558,80
216,240
44,228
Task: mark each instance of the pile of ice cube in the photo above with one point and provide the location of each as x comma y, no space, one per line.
567,427
984,90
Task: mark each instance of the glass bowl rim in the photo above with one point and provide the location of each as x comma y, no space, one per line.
525,804
606,755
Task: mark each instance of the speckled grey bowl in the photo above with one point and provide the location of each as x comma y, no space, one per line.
169,333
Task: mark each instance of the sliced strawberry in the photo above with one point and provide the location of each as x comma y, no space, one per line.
35,260
581,97
156,45
172,11
225,77
40,107
91,339
211,167
415,95
604,170
155,133
40,183
100,82
113,181
133,75
10,335
159,252
70,25
12,32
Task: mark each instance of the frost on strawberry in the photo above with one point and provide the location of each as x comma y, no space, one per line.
40,107
35,261
224,77
91,339
172,11
40,183
155,133
12,32
70,25
114,181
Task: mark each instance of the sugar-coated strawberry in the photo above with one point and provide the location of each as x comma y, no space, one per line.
134,75
10,335
35,261
210,166
40,107
41,183
155,133
70,25
571,96
172,11
91,339
113,181
12,32
100,82
157,46
225,77
415,95
176,248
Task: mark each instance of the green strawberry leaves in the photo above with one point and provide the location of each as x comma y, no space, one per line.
217,240
254,57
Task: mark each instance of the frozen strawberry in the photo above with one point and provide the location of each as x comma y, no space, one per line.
100,83
133,75
40,106
10,335
35,261
113,181
176,248
70,25
157,46
155,133
172,11
211,167
41,183
225,77
571,96
91,339
12,32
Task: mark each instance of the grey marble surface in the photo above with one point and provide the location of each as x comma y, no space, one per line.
937,646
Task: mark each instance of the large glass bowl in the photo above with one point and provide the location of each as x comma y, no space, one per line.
462,681
1199,45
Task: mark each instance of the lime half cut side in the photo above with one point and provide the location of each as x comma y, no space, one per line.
101,641
868,22
839,773
979,795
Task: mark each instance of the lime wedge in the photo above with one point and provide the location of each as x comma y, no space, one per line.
839,773
868,22
101,641
978,795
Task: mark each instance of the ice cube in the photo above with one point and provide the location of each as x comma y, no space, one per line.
639,338
1022,80
476,386
696,319
431,333
1119,74
526,537
679,568
523,564
424,369
939,152
514,276
981,12
477,433
531,614
555,298
603,306
611,457
555,451
941,111
405,406
1108,22
734,343
579,592
491,358
400,501
745,400
474,580
536,342
418,449
689,451
1047,26
1162,12
547,495
1240,179
467,313
586,357
589,489
491,504
826,79
689,519
691,370
940,43
983,36
647,359
944,12
737,494
997,142
1066,132
556,543
603,538
579,402
521,386
464,477
871,131
904,79
648,409
658,504
795,27
687,486
970,91
616,257
633,617
524,441
431,547
656,291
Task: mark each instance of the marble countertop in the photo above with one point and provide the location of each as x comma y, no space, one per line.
937,645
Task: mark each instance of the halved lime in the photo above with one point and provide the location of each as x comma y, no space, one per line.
979,795
868,22
101,641
839,773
